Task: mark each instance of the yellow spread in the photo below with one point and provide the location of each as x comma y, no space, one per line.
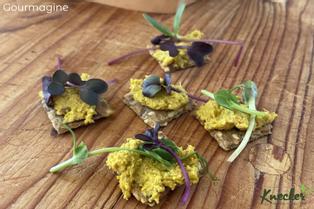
71,107
161,101
181,60
148,174
216,117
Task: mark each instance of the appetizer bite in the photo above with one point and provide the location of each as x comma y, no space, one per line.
73,99
147,166
176,52
156,100
232,119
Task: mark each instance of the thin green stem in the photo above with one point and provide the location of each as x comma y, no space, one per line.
248,132
61,166
207,93
248,110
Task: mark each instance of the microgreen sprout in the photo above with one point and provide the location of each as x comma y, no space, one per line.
227,99
89,90
169,41
152,85
154,146
168,150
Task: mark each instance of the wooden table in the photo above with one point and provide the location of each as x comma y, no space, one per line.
278,56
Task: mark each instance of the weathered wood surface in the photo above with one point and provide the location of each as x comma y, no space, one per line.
278,56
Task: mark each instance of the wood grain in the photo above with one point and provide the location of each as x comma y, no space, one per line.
278,56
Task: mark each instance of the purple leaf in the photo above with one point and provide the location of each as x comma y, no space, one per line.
55,88
158,39
144,137
96,85
197,51
60,76
88,96
167,80
75,79
46,81
170,47
151,91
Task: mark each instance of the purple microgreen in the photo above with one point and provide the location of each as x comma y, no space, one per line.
152,86
55,88
169,46
167,81
167,41
197,51
151,80
75,79
89,90
158,39
215,41
46,81
96,85
151,90
88,96
144,137
60,76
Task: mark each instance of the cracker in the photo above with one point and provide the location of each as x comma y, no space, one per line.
231,139
150,116
103,109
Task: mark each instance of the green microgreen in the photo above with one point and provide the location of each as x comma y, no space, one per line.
228,99
89,90
178,17
161,28
249,97
169,41
158,148
152,85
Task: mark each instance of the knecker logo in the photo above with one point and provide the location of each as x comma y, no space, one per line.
268,196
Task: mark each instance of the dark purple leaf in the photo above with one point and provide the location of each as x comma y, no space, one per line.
55,88
197,51
144,137
169,46
197,58
151,91
75,79
46,81
60,76
157,39
202,47
149,132
96,85
88,96
151,80
167,80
